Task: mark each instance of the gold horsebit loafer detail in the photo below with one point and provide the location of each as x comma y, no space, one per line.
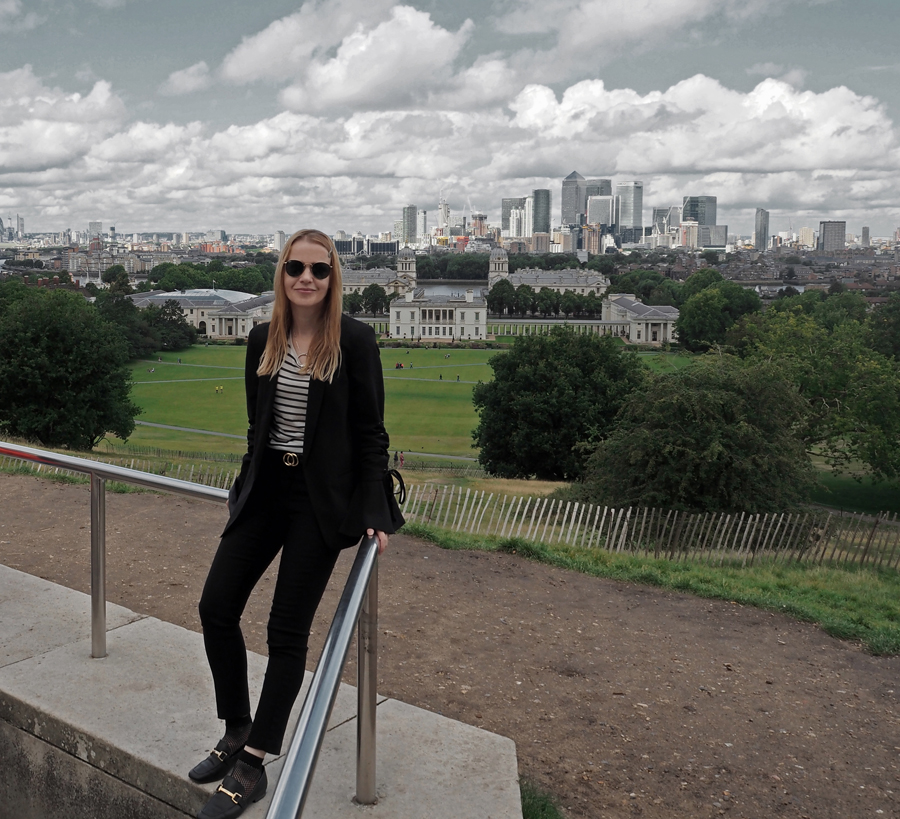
234,796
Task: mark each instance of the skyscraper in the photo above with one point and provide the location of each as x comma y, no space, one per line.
443,215
631,206
94,229
865,237
410,212
572,201
832,236
508,205
575,192
20,227
422,223
762,229
601,210
541,223
699,209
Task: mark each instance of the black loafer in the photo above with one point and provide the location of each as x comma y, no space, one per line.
228,802
217,765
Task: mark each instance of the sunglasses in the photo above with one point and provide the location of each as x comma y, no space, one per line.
320,270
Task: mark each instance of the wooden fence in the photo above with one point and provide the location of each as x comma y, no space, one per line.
206,474
811,536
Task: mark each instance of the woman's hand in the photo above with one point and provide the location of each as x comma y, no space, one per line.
382,539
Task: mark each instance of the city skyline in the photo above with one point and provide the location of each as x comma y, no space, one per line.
148,117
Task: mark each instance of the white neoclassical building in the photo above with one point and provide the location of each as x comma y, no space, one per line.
395,282
461,317
582,282
637,322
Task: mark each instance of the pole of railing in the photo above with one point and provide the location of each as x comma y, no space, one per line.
367,682
98,566
303,753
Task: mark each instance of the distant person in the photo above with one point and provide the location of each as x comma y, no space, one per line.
309,486
401,460
396,459
440,376
457,376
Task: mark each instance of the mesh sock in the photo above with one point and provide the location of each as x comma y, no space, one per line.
247,771
236,733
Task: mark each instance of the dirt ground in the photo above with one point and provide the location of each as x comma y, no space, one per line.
622,700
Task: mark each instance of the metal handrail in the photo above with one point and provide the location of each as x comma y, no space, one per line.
359,602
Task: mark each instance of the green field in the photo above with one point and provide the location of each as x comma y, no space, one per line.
427,409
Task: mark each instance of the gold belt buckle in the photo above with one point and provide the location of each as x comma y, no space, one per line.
290,459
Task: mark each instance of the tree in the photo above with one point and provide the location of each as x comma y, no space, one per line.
713,437
884,327
548,301
710,256
568,303
703,278
374,298
525,299
118,309
170,326
501,297
550,393
852,392
353,303
706,317
64,372
112,273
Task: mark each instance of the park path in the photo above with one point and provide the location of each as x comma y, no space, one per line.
623,700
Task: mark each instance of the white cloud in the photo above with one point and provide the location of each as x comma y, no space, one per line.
282,50
393,64
833,153
12,19
187,80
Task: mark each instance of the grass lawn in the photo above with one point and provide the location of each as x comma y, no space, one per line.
426,409
843,492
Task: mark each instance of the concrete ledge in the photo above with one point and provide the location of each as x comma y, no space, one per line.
131,725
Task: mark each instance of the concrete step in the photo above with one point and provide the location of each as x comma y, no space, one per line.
115,737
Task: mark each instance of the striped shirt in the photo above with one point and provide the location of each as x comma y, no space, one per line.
289,415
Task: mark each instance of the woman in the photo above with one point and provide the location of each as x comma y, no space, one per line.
314,479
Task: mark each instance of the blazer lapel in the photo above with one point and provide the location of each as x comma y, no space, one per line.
313,405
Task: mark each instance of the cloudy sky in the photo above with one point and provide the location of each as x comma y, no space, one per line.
273,115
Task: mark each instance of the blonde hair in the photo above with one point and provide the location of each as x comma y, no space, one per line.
324,355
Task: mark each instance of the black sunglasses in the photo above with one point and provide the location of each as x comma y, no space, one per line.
321,270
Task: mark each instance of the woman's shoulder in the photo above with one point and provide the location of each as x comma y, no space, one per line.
355,331
259,333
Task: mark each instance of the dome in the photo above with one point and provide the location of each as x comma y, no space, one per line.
499,253
406,253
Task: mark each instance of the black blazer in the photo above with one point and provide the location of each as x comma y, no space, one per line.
345,445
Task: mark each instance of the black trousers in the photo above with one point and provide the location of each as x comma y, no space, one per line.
277,516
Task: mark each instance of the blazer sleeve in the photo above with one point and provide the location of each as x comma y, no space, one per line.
373,505
256,345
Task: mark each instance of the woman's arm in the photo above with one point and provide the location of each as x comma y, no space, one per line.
255,346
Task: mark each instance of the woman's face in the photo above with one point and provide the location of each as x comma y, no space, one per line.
305,290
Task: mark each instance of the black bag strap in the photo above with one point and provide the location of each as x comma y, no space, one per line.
389,477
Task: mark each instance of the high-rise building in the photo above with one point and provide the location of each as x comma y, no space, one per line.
541,212
20,227
443,215
807,237
575,192
699,209
573,199
865,237
398,230
410,213
666,219
422,223
479,224
631,205
712,235
601,210
832,236
94,229
690,233
528,221
506,207
761,236
278,244
516,229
